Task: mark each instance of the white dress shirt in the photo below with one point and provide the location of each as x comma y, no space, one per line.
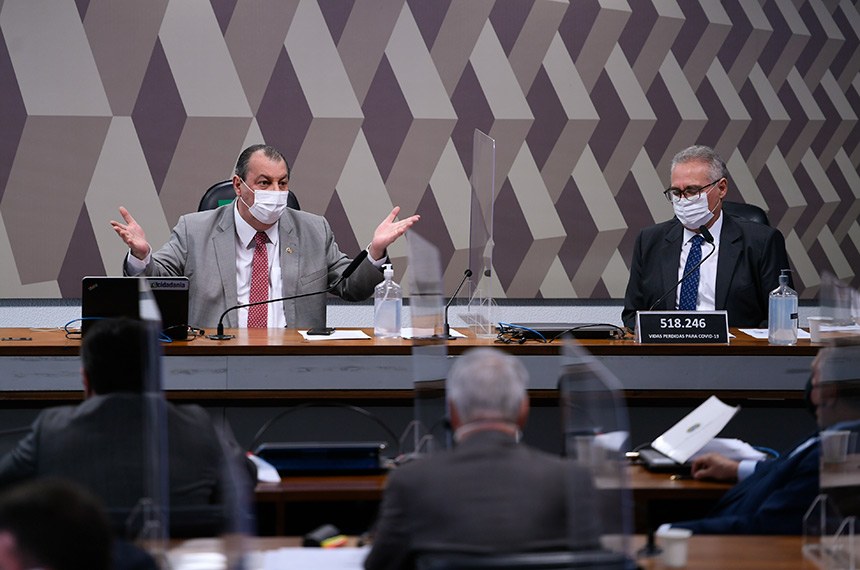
244,260
707,271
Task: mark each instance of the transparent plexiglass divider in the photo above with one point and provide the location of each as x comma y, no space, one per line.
165,515
596,437
424,279
480,314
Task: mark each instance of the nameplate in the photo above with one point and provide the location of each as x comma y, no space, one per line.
685,327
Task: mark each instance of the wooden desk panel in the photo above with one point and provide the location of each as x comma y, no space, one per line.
260,363
645,486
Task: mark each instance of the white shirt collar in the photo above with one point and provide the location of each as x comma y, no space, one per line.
246,233
715,230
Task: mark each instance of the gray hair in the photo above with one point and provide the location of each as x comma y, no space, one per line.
486,383
700,153
269,152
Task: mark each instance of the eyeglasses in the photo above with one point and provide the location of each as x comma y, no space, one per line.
690,192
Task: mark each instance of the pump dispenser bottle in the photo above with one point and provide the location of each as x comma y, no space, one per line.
782,313
388,302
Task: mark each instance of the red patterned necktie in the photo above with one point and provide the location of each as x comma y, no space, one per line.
259,314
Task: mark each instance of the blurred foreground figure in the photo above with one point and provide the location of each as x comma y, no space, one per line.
491,494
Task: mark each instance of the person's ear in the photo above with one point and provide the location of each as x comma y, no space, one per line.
85,380
237,184
454,416
523,414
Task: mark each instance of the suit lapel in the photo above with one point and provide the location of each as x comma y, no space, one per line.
731,242
224,242
670,254
289,258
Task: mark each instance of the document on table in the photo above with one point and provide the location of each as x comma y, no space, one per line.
762,333
695,429
317,558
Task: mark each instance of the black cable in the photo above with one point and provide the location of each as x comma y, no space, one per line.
357,409
619,332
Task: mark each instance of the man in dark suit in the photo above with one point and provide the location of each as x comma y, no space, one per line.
740,274
490,494
99,444
772,496
217,251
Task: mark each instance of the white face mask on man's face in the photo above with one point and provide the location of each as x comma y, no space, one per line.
268,204
693,213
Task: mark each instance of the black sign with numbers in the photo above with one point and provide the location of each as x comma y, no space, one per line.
686,327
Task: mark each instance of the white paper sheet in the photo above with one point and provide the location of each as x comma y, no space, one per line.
695,429
316,558
762,333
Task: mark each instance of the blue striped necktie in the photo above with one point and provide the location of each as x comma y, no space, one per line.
690,287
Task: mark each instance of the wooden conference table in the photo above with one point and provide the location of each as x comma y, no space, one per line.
279,365
704,553
646,488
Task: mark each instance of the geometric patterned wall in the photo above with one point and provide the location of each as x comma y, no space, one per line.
145,103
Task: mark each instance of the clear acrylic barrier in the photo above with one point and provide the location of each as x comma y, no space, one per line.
430,428
429,348
829,526
220,507
596,438
481,285
839,302
425,288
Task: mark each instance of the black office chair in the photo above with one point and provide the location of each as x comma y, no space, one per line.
587,559
749,212
223,193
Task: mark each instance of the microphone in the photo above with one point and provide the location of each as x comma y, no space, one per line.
706,235
466,275
350,269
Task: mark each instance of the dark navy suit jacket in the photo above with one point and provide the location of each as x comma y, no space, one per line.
771,500
750,258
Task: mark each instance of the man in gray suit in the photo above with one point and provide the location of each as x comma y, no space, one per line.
491,494
99,443
215,249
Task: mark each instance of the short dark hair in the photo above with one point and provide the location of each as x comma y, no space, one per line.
57,524
113,356
269,151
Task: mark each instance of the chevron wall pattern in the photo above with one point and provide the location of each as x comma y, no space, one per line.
145,103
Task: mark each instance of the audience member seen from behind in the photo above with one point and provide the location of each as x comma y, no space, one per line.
772,496
490,494
738,277
53,525
216,250
99,444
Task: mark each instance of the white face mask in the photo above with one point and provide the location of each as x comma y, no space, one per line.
268,204
693,213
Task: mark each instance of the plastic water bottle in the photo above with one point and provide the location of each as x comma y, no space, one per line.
782,313
388,300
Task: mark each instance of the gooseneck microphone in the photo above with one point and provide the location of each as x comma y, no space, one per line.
706,235
350,269
466,275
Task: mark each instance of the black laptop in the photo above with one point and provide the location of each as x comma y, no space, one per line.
111,297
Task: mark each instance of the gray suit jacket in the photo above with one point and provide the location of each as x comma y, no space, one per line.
202,247
489,494
99,445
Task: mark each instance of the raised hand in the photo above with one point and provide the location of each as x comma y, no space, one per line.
388,231
132,234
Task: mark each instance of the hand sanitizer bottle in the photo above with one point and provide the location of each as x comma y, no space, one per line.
388,300
782,313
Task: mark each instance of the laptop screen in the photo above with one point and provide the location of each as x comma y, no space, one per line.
111,297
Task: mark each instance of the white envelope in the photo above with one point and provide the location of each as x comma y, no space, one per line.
695,430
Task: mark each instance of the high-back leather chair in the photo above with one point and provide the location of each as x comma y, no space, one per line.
223,193
749,212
